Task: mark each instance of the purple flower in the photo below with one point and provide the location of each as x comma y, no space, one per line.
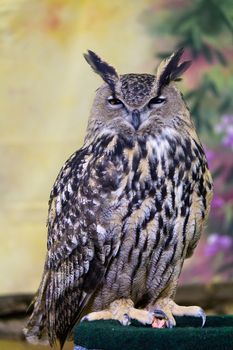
225,123
228,139
226,127
216,243
217,202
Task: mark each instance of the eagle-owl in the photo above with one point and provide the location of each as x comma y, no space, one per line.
126,209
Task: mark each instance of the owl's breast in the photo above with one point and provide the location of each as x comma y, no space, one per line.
156,177
147,176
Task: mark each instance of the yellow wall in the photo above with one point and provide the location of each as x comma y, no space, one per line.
46,89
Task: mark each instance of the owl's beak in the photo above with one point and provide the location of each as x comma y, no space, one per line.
136,120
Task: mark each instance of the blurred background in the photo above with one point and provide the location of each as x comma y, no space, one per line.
46,91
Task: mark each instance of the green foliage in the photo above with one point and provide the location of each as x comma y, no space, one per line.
205,29
203,20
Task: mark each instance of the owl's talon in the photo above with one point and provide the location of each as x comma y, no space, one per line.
84,318
170,324
168,309
121,310
203,316
161,319
126,320
160,314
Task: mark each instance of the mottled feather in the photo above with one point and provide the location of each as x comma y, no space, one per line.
169,70
107,72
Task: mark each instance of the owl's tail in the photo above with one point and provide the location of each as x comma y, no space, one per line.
36,330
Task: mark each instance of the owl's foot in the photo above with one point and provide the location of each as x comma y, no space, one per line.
171,309
123,311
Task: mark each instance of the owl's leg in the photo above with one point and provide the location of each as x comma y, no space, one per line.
123,311
171,309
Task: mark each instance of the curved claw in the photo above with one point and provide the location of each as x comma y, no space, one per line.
170,324
203,316
160,314
84,318
127,320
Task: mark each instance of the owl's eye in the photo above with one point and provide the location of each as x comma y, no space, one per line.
115,102
156,101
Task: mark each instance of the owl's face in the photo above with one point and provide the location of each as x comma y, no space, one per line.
135,103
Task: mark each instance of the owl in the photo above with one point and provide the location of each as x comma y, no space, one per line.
126,209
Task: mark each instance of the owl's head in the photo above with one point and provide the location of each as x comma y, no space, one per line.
136,103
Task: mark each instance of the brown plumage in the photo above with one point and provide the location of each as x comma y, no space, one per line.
126,209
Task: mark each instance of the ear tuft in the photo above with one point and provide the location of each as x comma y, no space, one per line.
169,70
107,72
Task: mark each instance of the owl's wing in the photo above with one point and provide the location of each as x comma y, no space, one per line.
79,238
200,201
